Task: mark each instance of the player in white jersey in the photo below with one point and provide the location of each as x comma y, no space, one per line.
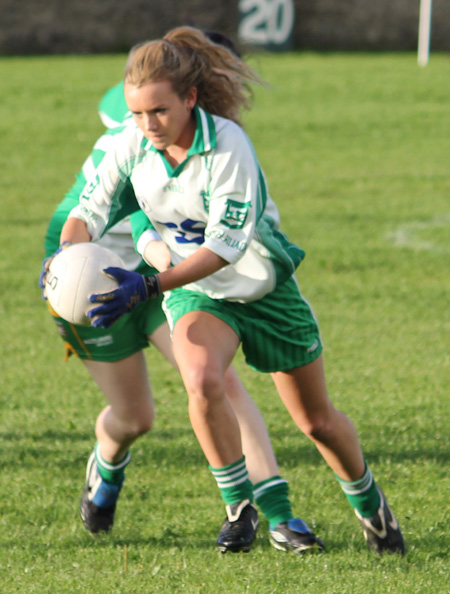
114,358
196,177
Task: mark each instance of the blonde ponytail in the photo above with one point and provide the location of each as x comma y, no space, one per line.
188,58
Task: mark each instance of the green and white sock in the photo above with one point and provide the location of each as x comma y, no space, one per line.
111,472
362,494
233,482
272,496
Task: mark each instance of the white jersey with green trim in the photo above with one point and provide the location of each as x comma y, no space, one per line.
217,198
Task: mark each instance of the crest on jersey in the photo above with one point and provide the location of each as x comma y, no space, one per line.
236,214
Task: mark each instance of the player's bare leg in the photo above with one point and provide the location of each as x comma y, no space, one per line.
304,393
129,414
161,339
130,411
260,457
303,390
256,445
204,347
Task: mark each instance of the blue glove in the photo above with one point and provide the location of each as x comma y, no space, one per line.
46,265
133,289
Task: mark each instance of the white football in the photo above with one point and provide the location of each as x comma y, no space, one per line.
74,274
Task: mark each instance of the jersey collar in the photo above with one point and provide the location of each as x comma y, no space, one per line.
205,134
205,137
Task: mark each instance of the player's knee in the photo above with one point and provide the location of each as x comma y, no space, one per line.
139,427
143,426
205,387
318,429
140,424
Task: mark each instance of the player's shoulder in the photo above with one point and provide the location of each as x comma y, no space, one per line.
233,144
226,127
229,133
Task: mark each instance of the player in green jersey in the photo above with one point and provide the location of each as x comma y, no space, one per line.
115,360
210,204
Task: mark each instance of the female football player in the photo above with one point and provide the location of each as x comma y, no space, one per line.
232,281
114,358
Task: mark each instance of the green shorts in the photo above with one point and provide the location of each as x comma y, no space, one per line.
124,338
278,332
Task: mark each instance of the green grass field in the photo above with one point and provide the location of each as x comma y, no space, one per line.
356,149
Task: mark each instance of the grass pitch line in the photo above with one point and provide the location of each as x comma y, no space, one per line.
409,235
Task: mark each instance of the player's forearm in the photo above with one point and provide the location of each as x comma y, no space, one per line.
75,231
200,265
